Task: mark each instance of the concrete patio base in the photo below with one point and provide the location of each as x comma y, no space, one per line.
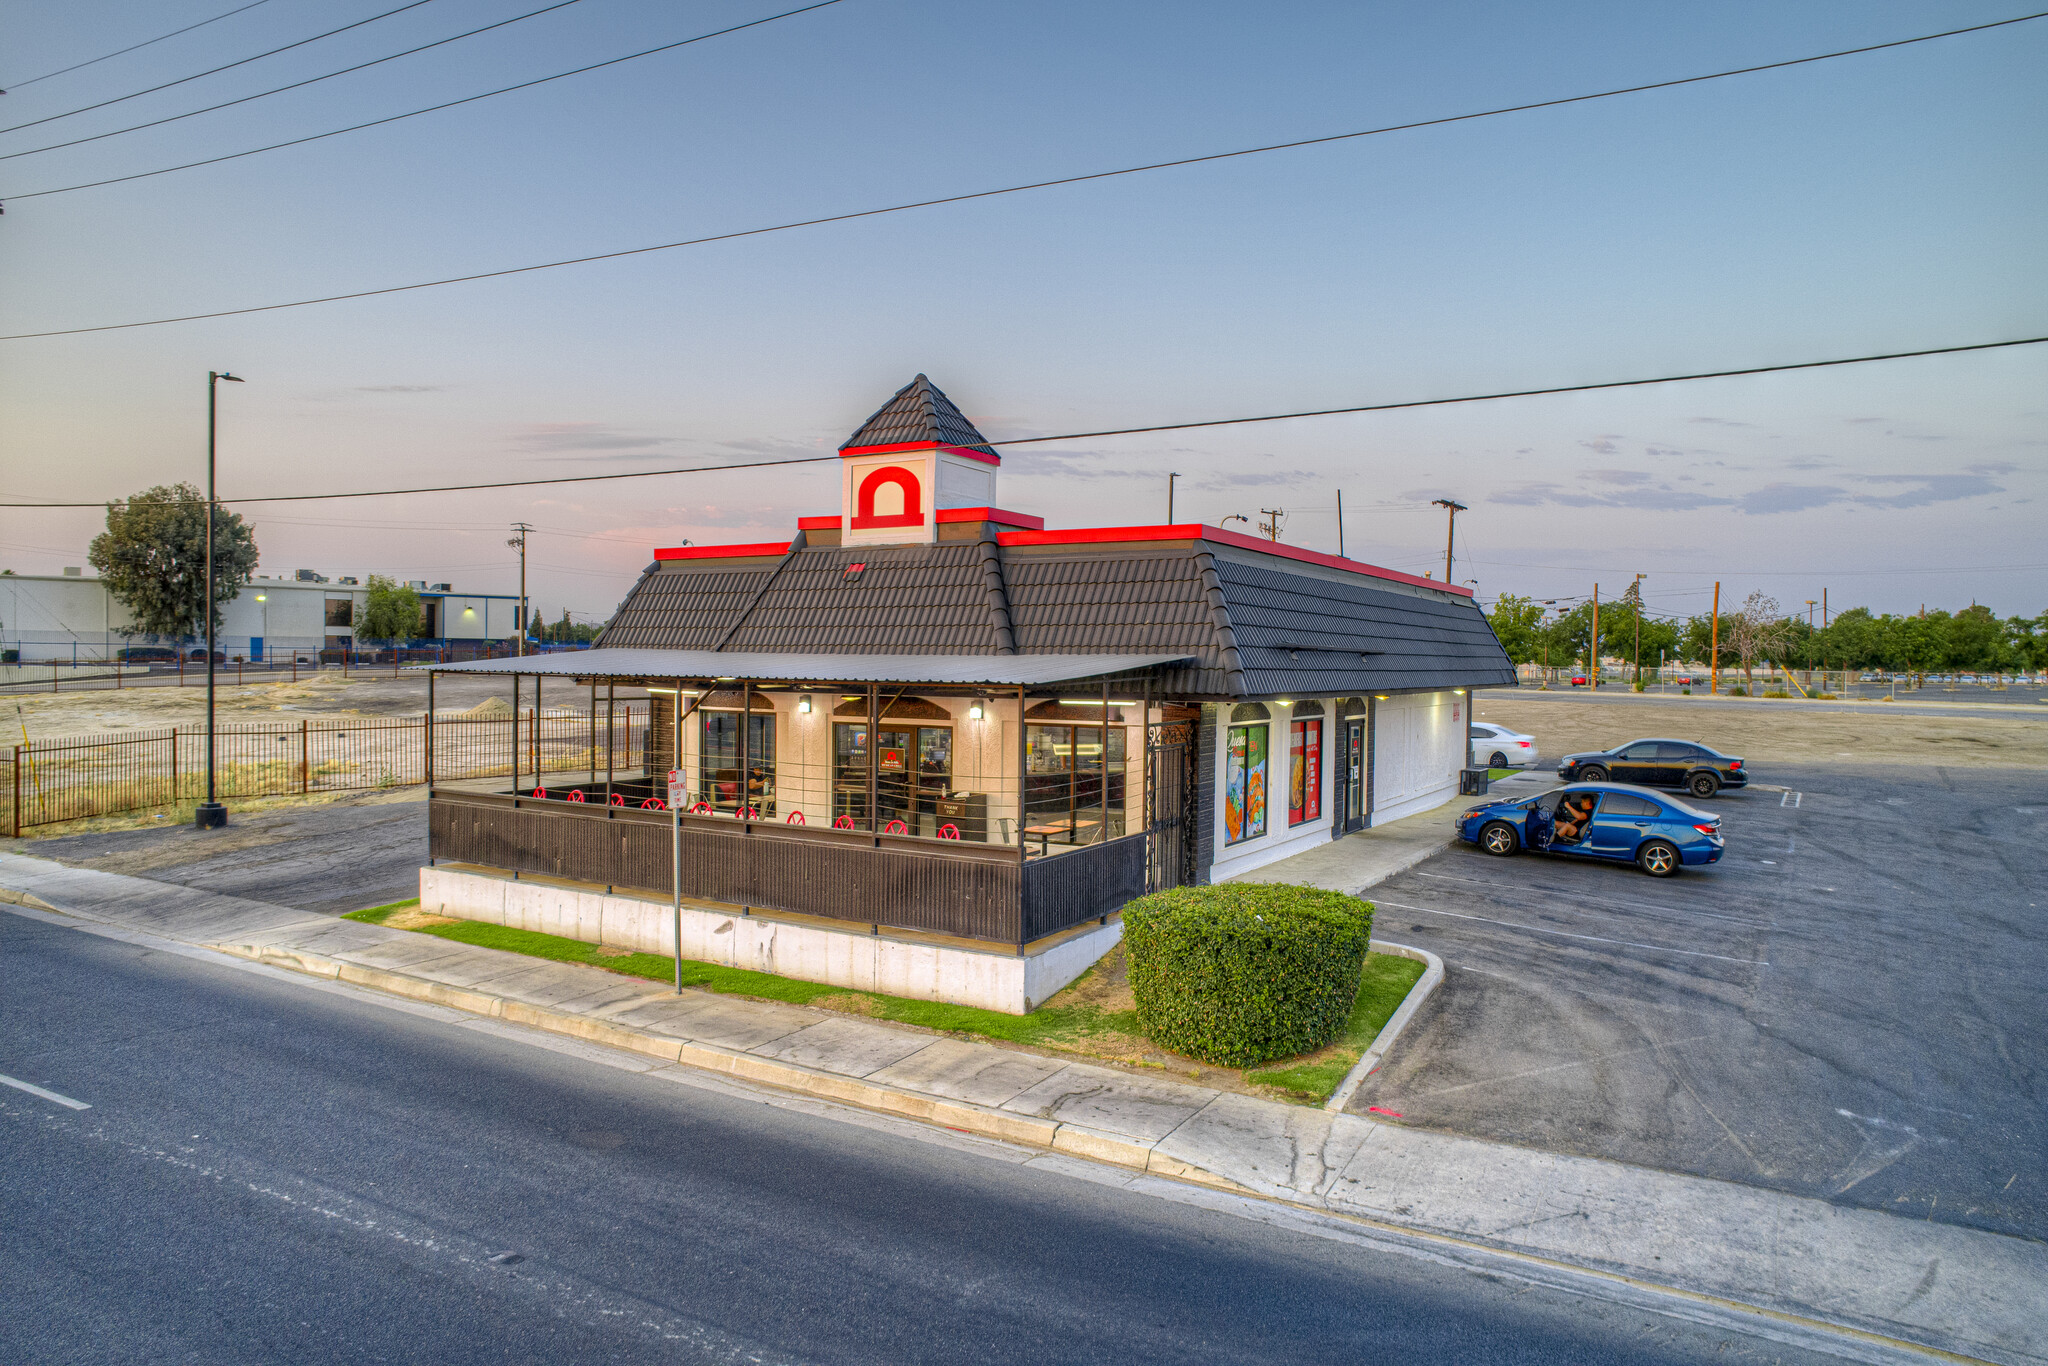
896,963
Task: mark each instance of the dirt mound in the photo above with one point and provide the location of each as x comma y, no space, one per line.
490,706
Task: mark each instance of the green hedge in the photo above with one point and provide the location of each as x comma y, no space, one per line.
1245,972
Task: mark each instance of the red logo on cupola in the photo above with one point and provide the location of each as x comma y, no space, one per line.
889,496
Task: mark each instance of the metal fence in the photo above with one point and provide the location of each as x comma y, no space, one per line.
52,781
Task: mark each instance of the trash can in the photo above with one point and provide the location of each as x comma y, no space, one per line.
1472,782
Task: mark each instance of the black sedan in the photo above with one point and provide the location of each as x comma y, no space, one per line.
1657,763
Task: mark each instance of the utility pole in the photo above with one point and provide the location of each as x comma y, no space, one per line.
1169,497
1592,649
1451,536
1271,526
210,814
519,541
1714,648
1636,592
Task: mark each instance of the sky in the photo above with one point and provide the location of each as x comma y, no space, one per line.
1883,202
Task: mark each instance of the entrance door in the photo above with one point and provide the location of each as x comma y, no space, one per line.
1352,776
1170,815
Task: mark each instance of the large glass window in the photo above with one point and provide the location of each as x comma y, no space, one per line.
1073,784
1305,770
719,762
913,774
1244,784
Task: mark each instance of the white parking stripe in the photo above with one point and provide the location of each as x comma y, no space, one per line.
1598,939
35,1090
1792,799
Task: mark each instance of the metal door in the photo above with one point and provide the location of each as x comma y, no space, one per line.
1170,801
1352,774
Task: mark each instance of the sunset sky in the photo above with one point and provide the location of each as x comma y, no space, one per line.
1875,203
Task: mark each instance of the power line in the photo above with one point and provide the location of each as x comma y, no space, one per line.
133,47
1129,431
430,109
295,85
137,94
1016,189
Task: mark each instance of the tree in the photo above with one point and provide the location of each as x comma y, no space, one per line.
1516,624
152,557
1570,636
536,629
391,611
1756,630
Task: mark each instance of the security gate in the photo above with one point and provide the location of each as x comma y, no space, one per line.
1170,806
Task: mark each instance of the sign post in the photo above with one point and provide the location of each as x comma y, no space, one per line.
675,821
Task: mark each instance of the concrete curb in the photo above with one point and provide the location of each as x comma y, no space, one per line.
1390,1032
963,1116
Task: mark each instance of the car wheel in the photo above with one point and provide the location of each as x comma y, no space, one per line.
1498,760
1658,859
1499,839
1593,774
1703,785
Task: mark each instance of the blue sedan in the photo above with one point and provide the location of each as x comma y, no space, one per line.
1615,821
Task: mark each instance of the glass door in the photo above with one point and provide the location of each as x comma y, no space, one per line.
1354,775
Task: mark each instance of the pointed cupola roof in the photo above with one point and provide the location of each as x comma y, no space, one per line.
920,412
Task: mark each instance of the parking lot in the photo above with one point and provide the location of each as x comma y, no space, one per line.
1848,1006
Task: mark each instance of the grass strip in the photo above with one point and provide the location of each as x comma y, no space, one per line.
1381,988
1048,1026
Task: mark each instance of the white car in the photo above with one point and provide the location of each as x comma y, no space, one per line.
1498,747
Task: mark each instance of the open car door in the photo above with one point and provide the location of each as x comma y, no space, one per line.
1539,827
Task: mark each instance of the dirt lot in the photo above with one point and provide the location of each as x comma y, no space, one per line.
99,710
1786,733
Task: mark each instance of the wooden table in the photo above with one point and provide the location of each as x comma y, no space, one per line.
1072,826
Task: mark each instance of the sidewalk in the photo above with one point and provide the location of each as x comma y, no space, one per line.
1977,1294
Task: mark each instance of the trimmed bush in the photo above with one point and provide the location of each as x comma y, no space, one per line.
1246,972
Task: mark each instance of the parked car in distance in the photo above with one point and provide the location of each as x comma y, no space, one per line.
198,656
1615,822
146,654
1578,680
1498,747
1657,763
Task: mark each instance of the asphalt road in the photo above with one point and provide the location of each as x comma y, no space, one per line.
336,858
1848,1006
274,1173
1926,702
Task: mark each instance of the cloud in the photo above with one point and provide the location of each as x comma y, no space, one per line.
1774,498
1719,422
1604,445
1617,476
1854,421
1661,498
584,437
1993,467
1933,488
401,388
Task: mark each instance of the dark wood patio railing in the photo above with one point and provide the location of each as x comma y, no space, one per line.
959,888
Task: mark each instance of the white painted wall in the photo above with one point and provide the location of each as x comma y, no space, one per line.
1280,839
1418,748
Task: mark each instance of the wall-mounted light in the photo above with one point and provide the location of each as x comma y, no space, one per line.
1283,702
803,705
1379,697
1459,691
262,598
469,611
976,710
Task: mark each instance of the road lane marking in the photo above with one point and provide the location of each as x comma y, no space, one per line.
1598,939
1646,907
34,1090
1792,799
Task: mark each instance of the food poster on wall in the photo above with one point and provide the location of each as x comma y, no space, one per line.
1244,786
1305,784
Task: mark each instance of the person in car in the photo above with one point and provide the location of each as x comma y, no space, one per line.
1573,815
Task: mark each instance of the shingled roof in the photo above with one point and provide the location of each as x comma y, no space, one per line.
919,412
1248,629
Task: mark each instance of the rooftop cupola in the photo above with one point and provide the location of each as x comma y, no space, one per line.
917,455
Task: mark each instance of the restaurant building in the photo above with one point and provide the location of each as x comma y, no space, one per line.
930,746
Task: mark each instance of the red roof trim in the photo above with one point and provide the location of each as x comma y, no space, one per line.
899,447
819,523
1197,531
996,515
723,552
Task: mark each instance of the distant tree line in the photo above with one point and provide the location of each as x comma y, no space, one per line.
563,632
1972,640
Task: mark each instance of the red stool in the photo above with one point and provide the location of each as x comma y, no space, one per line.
576,794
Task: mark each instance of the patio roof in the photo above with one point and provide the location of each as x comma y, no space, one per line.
932,670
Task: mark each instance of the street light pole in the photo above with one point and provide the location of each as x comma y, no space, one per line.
210,814
519,541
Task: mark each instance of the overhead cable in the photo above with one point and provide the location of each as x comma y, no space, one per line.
200,75
395,118
133,47
1005,190
295,85
1125,431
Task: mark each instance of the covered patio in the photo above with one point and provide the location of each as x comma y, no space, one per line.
1001,799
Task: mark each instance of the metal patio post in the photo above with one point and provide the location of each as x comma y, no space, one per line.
430,732
874,752
746,786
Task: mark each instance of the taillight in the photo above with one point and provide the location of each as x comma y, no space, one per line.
1708,829
1523,743
1734,763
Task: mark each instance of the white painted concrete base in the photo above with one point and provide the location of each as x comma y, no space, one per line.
993,980
1421,801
